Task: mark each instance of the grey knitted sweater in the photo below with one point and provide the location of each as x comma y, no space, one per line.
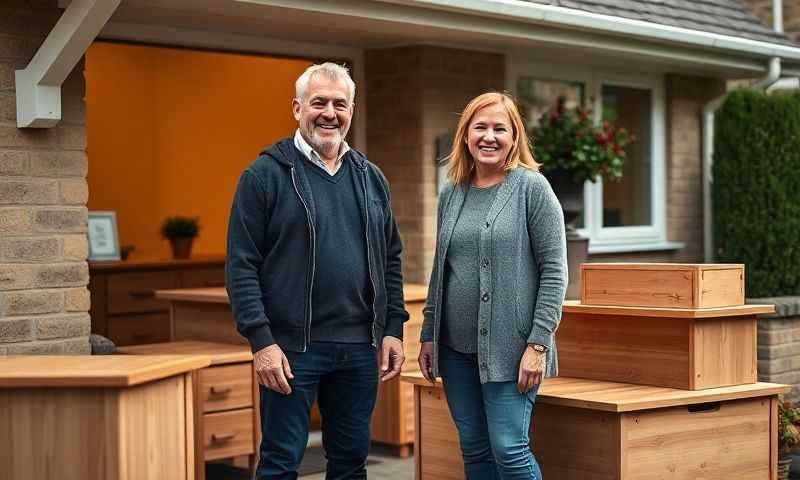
523,274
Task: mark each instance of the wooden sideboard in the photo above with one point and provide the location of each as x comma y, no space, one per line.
105,417
124,308
590,429
205,314
226,400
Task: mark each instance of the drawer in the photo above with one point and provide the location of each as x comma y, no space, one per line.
228,434
133,292
226,387
203,277
139,329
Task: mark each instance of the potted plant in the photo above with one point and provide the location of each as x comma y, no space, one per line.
573,149
788,435
180,231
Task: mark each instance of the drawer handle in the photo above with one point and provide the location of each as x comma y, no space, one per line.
222,437
704,407
142,293
221,390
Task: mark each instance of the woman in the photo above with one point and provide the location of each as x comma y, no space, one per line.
496,289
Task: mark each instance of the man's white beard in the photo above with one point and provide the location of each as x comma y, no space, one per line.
328,148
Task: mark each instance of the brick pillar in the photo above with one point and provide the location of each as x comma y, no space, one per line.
414,95
779,343
686,97
44,302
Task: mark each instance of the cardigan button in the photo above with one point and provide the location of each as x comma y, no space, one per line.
485,262
485,297
488,224
484,365
484,331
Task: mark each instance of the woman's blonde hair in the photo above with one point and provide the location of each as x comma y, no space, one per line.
459,162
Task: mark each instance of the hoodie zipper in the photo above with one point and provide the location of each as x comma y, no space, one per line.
369,256
307,332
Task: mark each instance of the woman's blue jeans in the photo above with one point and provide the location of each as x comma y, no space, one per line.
492,420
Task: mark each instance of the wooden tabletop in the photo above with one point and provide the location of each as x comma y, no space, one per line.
411,293
219,353
150,263
625,397
575,306
93,370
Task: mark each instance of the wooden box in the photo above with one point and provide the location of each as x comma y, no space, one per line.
690,349
662,285
586,429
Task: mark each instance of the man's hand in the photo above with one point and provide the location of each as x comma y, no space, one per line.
272,369
531,369
425,360
392,358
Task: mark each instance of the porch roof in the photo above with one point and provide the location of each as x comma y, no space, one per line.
725,17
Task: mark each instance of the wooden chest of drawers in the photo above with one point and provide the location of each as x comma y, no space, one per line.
124,307
226,400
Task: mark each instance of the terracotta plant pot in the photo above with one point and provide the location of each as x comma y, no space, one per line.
181,247
784,463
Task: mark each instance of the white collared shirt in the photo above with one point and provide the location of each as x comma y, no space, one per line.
314,157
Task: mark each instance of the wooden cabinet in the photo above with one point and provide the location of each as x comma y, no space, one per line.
669,347
588,429
104,417
225,400
124,307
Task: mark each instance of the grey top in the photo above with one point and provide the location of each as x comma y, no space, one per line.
462,275
523,274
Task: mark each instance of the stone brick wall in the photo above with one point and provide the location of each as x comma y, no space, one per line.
44,302
779,344
414,95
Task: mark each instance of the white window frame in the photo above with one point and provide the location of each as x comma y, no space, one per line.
613,239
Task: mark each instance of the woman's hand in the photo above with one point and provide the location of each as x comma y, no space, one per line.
531,369
426,361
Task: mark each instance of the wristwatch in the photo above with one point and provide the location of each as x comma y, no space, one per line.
538,348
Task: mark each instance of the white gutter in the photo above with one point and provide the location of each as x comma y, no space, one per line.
38,86
567,17
772,78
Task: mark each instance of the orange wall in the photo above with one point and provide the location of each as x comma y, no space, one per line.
169,131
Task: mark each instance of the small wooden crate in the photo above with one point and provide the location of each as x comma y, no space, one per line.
586,429
662,285
691,349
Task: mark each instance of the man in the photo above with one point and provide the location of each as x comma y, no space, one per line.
313,274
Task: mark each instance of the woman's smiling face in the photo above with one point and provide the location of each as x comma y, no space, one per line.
490,136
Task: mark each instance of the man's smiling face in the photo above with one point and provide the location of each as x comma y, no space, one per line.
324,114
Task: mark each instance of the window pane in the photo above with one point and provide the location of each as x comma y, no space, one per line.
627,202
536,97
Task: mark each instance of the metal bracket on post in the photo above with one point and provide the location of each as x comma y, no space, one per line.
38,86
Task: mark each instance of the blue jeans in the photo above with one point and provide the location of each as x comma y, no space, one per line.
492,420
344,380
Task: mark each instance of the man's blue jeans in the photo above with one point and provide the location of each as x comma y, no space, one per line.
344,379
492,420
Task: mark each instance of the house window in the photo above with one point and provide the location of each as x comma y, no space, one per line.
625,215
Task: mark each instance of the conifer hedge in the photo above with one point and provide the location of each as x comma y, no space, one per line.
756,189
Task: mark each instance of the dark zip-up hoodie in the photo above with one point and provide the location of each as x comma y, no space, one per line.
269,267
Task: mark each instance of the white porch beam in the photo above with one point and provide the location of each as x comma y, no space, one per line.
38,86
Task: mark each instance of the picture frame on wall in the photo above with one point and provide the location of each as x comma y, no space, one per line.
103,236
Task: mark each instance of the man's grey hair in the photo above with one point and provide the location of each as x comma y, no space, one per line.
330,70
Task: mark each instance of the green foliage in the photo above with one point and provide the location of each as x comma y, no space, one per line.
568,140
788,425
180,227
756,189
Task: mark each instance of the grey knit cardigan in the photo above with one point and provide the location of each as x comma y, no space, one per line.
523,274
